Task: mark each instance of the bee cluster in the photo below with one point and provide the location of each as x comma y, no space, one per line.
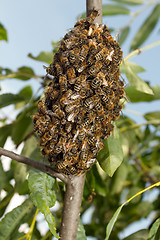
82,99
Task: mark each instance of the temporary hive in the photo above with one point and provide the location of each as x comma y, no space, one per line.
82,99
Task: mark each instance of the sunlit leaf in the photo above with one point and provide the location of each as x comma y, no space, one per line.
154,232
111,156
135,67
9,98
146,28
13,218
114,9
42,195
136,81
81,232
46,57
3,33
137,96
123,34
130,2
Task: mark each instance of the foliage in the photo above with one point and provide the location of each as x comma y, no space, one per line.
137,144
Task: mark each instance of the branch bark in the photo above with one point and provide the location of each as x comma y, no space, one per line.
35,164
74,187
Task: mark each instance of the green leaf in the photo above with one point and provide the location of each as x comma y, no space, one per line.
152,115
3,33
139,235
9,98
146,28
130,2
46,57
2,177
26,92
23,73
154,232
123,34
5,131
13,218
112,222
21,127
135,67
31,149
42,195
136,81
137,96
114,9
111,156
81,232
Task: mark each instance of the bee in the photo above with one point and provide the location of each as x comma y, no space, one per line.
58,112
69,42
110,106
74,171
58,148
68,127
90,102
71,74
64,61
120,92
50,70
72,105
83,53
42,107
105,99
94,69
51,94
81,135
96,82
66,98
91,140
101,54
90,162
71,116
99,108
63,83
45,138
93,15
109,57
46,150
61,165
73,55
59,70
82,67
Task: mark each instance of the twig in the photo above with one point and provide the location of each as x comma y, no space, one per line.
35,164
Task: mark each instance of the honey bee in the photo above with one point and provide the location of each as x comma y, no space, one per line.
59,70
73,55
83,53
110,106
66,98
64,61
61,165
105,99
46,150
94,69
72,105
93,15
101,55
63,83
99,108
71,74
45,138
42,107
82,67
91,140
71,116
90,102
68,127
81,135
59,113
90,162
109,57
58,148
96,82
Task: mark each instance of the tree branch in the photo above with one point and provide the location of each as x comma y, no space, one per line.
35,164
74,187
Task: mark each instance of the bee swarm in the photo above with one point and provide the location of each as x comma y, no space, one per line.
82,99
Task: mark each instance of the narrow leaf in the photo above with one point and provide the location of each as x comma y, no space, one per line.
146,28
42,195
136,81
3,33
46,57
123,35
111,156
9,98
137,96
139,235
112,222
12,219
114,9
154,232
5,131
130,2
23,73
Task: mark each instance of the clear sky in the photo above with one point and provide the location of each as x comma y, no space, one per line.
33,25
